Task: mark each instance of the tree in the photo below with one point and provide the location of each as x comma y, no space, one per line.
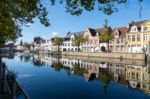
17,13
106,36
37,40
57,42
21,43
78,40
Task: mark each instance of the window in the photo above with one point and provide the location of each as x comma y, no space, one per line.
68,44
145,29
121,40
129,38
138,45
133,29
144,37
65,44
138,37
133,38
117,41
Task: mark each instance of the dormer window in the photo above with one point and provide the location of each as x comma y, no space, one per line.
133,29
145,28
116,34
97,34
72,38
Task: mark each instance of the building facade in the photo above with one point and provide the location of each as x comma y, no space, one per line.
138,37
92,40
119,39
68,42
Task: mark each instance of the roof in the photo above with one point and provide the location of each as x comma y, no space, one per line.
78,33
138,23
74,33
100,30
66,39
92,31
122,31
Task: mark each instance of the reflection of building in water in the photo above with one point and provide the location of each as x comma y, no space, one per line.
92,69
138,77
117,71
69,63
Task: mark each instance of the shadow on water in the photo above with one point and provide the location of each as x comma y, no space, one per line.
9,87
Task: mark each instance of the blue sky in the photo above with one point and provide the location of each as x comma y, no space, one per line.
62,22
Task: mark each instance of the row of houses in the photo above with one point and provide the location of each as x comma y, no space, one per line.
132,38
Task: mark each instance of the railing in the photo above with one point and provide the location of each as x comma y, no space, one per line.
15,85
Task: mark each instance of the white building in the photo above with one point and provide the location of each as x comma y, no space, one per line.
68,42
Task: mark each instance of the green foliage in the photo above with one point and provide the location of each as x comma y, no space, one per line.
79,70
78,40
104,76
76,7
57,42
17,13
105,36
57,65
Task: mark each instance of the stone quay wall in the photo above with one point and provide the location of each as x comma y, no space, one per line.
133,56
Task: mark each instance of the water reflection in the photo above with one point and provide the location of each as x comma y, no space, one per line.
9,87
130,76
78,77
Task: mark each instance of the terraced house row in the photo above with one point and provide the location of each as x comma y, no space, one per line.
132,38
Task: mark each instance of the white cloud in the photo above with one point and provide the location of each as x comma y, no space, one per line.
54,34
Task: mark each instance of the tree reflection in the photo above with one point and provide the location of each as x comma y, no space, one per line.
38,62
26,58
79,70
21,57
105,77
57,65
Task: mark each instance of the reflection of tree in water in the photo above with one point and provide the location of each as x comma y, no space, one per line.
79,70
105,77
38,62
21,57
57,65
26,58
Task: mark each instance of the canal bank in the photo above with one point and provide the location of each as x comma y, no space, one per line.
106,60
133,56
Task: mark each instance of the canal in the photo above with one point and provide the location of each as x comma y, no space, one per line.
47,77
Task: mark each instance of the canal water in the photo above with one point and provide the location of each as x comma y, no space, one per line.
47,77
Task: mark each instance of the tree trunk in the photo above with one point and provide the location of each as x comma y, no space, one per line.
108,45
58,48
78,48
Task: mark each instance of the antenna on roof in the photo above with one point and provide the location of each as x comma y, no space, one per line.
141,8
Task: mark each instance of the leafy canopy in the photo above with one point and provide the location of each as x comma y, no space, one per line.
105,36
17,13
78,40
57,41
